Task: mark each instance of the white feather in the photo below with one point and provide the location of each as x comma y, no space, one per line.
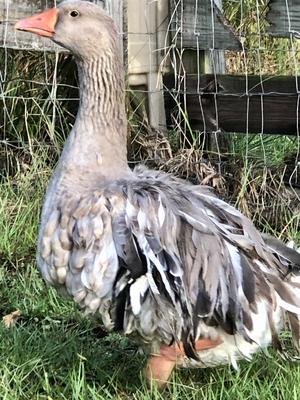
137,291
149,254
287,306
161,214
130,210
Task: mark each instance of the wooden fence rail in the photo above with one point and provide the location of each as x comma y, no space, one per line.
253,104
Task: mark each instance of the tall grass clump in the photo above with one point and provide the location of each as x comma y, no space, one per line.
35,115
36,111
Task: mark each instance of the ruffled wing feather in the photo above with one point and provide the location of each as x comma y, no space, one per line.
158,257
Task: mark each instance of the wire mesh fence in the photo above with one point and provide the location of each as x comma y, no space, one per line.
213,95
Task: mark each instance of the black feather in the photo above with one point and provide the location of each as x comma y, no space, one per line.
188,342
248,279
203,303
120,300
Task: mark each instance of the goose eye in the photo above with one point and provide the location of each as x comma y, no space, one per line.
74,13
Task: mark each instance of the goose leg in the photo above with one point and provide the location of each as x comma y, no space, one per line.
160,366
158,370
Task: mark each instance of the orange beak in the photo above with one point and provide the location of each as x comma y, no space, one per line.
42,24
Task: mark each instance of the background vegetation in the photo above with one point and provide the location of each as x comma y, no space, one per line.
54,352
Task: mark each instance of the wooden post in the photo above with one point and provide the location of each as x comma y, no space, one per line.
147,22
215,59
217,142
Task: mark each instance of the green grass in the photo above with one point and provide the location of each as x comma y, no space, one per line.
265,149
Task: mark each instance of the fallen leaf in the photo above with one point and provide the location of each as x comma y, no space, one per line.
11,319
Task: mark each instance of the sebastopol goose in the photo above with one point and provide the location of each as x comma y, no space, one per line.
158,258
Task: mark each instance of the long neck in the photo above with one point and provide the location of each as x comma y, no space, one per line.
102,92
97,146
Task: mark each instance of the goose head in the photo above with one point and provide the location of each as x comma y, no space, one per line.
79,26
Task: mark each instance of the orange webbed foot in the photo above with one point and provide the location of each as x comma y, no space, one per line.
161,365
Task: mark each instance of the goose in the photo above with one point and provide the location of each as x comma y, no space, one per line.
167,262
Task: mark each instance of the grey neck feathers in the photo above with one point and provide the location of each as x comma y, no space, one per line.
97,146
102,91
